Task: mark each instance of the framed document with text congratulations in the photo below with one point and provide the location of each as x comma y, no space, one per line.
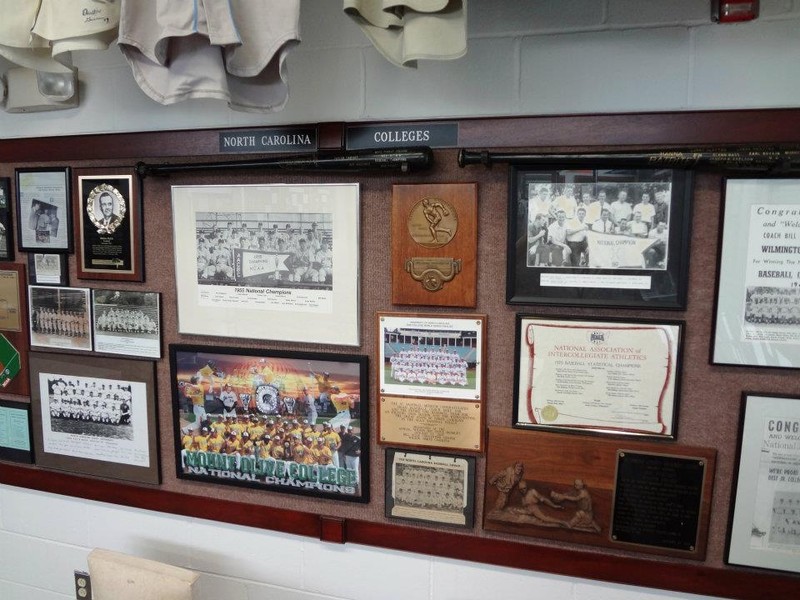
272,262
765,516
599,237
757,316
604,376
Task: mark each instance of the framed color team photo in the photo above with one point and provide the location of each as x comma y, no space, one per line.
599,237
95,416
108,215
274,262
294,422
44,215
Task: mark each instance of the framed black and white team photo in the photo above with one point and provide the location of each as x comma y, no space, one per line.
127,322
60,317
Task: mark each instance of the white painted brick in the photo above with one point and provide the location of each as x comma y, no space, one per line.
747,65
777,8
323,24
658,12
47,565
609,71
270,592
15,591
362,573
458,579
23,511
246,553
481,83
608,591
146,534
211,587
515,17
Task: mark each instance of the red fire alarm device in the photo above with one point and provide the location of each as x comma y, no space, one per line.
733,11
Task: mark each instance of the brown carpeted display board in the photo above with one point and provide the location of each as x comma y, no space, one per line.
710,395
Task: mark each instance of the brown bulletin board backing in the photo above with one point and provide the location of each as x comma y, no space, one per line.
709,404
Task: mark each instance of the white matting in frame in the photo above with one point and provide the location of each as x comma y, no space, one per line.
275,262
758,293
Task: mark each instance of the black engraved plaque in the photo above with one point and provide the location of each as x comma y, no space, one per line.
657,500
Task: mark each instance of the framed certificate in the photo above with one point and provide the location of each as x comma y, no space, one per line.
15,432
109,220
276,262
44,216
599,237
757,313
6,233
604,376
765,519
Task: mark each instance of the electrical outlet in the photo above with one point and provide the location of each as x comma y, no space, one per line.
83,586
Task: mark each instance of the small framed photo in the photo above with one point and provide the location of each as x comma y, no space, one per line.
434,488
430,364
294,422
6,233
127,322
757,311
13,330
613,376
274,262
48,269
108,215
44,215
599,237
60,317
15,432
764,529
95,416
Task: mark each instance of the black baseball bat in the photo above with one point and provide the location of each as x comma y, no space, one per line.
406,160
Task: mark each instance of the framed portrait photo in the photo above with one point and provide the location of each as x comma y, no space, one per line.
599,237
6,233
60,317
276,262
430,365
48,269
764,529
434,488
44,215
127,322
611,376
757,310
108,215
294,422
95,416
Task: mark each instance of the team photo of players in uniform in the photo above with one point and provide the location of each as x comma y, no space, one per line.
88,406
574,225
59,317
287,250
429,365
772,305
270,408
127,322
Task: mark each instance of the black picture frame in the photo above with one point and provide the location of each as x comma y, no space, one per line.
435,487
16,438
47,229
615,266
6,231
48,269
267,387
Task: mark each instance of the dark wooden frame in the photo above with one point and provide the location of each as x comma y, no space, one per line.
361,362
132,223
96,367
605,132
7,248
66,219
668,287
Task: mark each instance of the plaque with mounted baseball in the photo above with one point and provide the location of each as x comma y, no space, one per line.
434,244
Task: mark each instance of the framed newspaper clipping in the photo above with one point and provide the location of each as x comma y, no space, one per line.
44,213
604,376
599,237
765,517
276,262
757,313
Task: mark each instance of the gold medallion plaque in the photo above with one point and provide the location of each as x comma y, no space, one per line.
434,244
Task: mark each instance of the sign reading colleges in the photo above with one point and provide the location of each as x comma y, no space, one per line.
273,139
433,135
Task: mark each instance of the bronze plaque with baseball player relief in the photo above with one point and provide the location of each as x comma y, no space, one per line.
108,214
637,496
434,244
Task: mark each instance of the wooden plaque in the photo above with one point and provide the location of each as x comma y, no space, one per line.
640,496
434,244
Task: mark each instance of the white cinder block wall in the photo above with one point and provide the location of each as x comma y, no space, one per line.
526,57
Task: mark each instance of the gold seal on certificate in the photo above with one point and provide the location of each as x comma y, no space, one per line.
549,413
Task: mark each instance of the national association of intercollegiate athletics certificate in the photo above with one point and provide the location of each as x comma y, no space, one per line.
606,376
